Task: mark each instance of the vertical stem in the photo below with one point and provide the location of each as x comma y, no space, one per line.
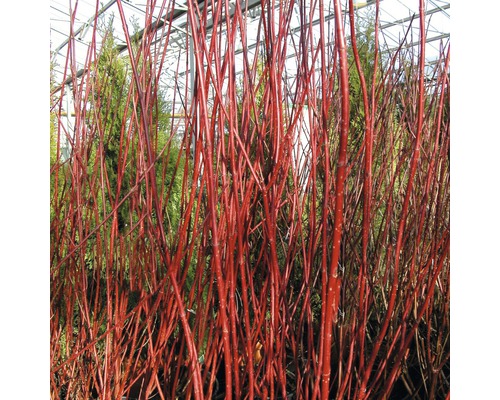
333,282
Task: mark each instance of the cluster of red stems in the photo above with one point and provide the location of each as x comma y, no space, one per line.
311,257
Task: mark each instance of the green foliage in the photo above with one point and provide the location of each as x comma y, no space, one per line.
365,42
109,113
52,132
113,114
53,120
109,158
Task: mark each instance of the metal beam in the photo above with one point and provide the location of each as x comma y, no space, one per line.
414,16
158,24
101,11
417,42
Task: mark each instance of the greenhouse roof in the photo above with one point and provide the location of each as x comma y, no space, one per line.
77,20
